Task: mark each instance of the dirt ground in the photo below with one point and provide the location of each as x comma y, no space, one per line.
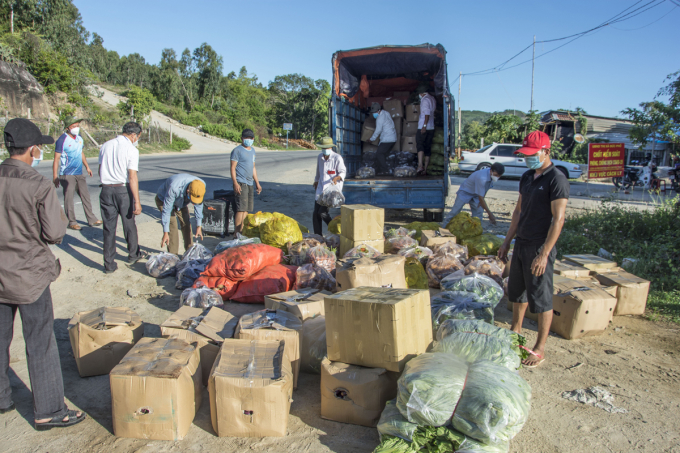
638,361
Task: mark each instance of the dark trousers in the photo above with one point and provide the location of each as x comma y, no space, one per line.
115,202
42,355
381,157
320,213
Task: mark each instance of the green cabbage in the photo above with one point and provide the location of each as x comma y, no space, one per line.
465,226
484,287
473,346
428,439
452,326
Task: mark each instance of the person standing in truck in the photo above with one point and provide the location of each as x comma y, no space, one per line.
330,169
473,191
384,128
425,132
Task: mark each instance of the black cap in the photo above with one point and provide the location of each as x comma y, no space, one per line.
22,133
498,168
247,133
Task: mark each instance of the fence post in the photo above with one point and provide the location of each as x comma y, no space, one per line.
171,133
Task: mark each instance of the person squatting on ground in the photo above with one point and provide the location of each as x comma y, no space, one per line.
243,175
173,199
384,128
330,169
473,192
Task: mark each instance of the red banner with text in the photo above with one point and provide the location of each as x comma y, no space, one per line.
606,160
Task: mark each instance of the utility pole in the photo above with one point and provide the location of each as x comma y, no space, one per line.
11,19
460,81
533,58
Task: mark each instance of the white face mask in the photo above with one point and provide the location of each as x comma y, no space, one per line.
135,143
75,130
495,178
36,162
326,151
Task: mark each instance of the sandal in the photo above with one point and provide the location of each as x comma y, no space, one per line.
10,408
142,255
58,421
541,359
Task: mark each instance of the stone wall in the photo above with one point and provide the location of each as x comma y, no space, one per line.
20,91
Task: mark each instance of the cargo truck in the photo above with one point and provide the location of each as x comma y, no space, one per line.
364,75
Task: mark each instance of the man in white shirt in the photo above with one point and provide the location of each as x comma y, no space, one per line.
384,128
330,169
425,132
118,165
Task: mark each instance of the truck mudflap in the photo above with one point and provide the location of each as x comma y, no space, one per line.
397,193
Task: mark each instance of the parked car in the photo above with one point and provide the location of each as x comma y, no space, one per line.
514,163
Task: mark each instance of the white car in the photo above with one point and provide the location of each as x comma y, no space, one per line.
514,163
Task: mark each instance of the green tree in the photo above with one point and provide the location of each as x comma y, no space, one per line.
504,128
531,122
473,133
302,101
209,67
139,103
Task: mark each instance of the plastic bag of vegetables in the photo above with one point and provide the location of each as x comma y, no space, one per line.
331,196
416,278
420,252
405,172
252,222
317,237
201,297
298,252
397,232
454,326
361,251
485,287
162,265
441,265
365,172
430,387
494,405
334,227
490,266
322,256
279,231
313,276
451,248
420,226
473,346
197,252
393,245
333,240
240,240
392,423
442,439
464,226
459,305
486,244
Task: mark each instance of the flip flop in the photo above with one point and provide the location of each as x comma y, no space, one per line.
58,422
540,357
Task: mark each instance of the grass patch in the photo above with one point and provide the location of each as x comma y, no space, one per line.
664,305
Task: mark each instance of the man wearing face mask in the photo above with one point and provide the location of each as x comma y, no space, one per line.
330,169
384,128
118,166
425,132
67,171
243,175
473,190
536,223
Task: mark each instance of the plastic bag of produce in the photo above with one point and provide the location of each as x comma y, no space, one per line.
298,252
441,439
473,346
312,276
485,287
405,172
489,266
303,229
392,423
201,297
279,231
331,196
393,245
451,248
441,265
197,252
252,222
365,172
494,404
369,159
240,240
317,237
430,387
322,256
313,344
464,226
416,278
333,240
162,265
275,279
453,326
222,285
405,158
362,250
420,226
420,252
239,263
190,271
459,305
486,244
399,232
334,226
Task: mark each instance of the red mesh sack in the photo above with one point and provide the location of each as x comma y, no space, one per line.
225,287
278,278
239,263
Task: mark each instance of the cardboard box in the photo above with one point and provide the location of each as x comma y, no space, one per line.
408,145
250,387
275,325
631,291
347,244
395,107
430,238
410,128
412,113
354,394
209,333
386,271
570,270
398,122
367,147
367,130
305,303
156,390
378,327
362,222
100,338
592,262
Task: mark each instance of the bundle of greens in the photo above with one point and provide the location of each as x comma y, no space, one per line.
485,287
428,439
473,346
452,326
459,305
393,424
401,231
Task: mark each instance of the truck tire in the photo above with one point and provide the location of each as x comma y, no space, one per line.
430,216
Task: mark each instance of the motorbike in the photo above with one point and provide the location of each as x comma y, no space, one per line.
645,176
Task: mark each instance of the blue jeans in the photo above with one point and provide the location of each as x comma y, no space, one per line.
463,198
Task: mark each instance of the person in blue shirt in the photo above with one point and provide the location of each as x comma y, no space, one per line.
67,172
173,198
473,190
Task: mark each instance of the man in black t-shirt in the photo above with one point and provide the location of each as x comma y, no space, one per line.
537,223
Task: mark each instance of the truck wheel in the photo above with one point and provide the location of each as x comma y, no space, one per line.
428,216
438,216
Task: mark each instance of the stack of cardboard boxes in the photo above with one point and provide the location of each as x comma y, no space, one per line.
405,119
361,224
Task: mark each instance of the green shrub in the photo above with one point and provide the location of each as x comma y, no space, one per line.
222,131
179,143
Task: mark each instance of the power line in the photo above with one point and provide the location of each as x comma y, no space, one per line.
651,23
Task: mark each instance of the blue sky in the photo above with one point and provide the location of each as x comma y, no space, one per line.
616,67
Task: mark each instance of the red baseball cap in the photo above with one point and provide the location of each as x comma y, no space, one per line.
533,143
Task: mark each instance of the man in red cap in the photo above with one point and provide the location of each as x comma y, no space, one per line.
536,223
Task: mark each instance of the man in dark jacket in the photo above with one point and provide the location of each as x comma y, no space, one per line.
31,218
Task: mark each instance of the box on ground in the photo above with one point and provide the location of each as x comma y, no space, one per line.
305,303
592,262
250,389
208,332
385,271
631,291
430,238
410,128
378,327
570,270
395,107
275,325
348,244
156,390
362,222
355,394
412,113
100,338
408,144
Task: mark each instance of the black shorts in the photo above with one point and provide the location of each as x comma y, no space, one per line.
539,290
424,142
245,202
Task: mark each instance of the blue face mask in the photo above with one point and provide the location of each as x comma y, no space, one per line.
375,115
533,162
248,142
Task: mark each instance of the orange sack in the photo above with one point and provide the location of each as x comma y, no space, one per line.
225,287
239,263
278,278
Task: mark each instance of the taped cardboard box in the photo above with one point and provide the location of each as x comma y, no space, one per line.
275,325
430,238
570,270
378,327
250,387
348,244
382,271
412,113
100,338
592,262
395,107
631,291
408,144
207,328
156,390
355,394
410,128
305,303
367,130
362,222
